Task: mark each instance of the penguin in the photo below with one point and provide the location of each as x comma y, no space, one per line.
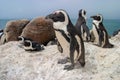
81,26
29,45
70,41
21,39
99,32
2,37
1,32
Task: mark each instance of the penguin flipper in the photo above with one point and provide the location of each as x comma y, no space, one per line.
108,45
59,47
72,50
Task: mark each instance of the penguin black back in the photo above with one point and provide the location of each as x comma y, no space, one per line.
81,26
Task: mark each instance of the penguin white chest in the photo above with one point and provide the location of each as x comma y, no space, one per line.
95,34
63,42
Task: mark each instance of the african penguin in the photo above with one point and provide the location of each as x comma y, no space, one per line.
2,37
1,32
81,26
21,39
99,32
32,46
69,40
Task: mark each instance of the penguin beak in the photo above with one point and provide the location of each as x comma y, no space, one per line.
50,16
93,17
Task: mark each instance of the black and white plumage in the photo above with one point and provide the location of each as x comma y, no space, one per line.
70,42
81,26
2,37
21,39
32,46
99,32
1,32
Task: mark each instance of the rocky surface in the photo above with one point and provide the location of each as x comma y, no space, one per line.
116,32
17,64
40,30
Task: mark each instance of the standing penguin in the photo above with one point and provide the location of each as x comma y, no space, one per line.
81,26
99,32
68,38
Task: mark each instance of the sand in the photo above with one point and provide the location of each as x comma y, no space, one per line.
18,64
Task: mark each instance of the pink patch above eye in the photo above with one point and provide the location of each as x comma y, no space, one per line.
56,12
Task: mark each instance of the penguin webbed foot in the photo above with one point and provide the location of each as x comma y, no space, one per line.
108,46
64,61
82,62
69,67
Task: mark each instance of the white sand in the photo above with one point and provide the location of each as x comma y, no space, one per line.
17,64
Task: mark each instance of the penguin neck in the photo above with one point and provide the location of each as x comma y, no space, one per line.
96,22
81,20
84,17
69,24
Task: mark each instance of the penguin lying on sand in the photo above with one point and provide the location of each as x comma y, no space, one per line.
81,26
99,32
2,37
1,30
29,44
1,33
21,39
32,46
70,41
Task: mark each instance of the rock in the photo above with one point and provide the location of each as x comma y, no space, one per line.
116,32
14,28
116,38
18,64
40,30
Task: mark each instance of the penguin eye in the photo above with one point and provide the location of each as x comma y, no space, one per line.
98,17
84,13
58,17
61,16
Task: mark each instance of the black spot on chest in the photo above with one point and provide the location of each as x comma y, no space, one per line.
62,32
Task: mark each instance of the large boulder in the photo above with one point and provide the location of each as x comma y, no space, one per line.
40,30
18,64
13,29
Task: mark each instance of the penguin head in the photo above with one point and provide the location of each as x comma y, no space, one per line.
98,18
60,18
27,43
82,13
20,39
